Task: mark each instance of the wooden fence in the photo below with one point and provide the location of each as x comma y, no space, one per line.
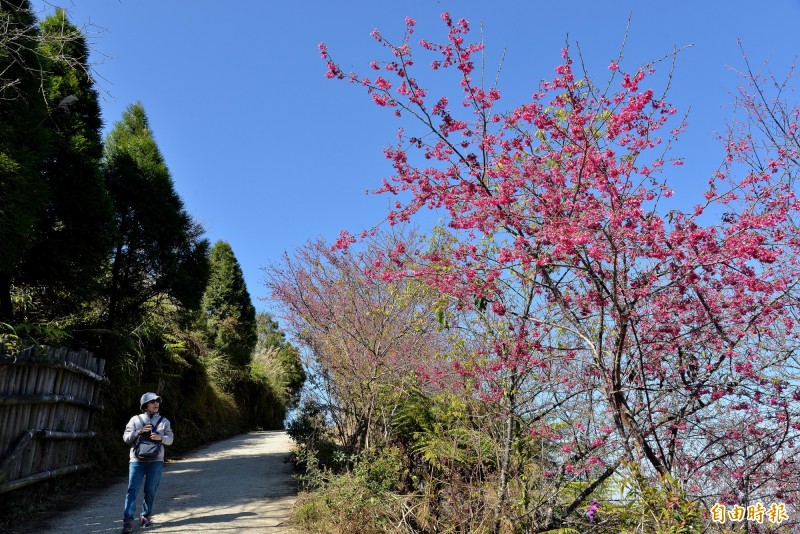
48,399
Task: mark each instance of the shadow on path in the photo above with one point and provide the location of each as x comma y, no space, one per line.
236,485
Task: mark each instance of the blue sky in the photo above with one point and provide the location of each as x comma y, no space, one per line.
267,153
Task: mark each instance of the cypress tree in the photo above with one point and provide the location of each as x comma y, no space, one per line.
70,243
229,312
24,140
157,249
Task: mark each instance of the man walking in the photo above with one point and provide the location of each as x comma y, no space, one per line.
147,431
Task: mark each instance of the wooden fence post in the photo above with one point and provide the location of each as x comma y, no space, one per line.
48,399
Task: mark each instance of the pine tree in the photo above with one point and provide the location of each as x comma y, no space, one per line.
158,250
229,312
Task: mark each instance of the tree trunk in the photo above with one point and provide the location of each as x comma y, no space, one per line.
5,297
508,438
113,290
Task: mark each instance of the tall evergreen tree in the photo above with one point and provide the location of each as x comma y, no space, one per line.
158,250
229,312
24,139
71,240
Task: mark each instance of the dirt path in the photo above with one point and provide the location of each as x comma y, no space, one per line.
241,484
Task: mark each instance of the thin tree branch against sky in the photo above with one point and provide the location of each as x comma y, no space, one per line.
267,153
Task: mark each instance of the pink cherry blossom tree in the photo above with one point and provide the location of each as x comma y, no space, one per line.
366,338
624,327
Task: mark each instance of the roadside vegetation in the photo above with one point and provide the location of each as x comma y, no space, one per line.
571,350
98,252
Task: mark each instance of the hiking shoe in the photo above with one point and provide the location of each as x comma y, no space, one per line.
127,526
146,521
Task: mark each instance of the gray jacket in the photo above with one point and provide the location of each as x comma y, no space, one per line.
138,422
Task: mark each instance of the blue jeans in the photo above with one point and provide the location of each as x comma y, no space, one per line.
151,473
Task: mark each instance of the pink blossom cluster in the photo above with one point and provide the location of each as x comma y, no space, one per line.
661,336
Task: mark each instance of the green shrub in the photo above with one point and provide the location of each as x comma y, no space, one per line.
360,500
308,426
651,504
380,472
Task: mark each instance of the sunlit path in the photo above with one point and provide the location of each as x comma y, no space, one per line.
238,485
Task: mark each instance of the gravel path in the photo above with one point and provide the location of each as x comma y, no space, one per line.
241,484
